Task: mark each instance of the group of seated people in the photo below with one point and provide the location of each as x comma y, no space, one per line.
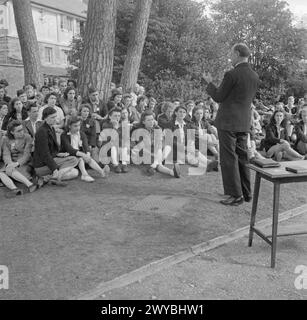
279,131
52,135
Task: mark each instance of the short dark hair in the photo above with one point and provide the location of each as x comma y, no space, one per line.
85,105
92,90
146,113
49,95
11,127
48,111
3,103
20,92
32,105
243,49
73,81
73,120
114,110
13,101
44,87
67,91
141,98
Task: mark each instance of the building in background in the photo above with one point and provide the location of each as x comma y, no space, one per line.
56,23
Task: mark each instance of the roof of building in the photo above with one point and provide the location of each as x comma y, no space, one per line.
71,7
74,7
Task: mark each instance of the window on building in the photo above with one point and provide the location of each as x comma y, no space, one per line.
67,23
64,56
48,55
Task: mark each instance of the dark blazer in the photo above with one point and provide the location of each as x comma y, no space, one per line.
88,126
28,126
103,110
299,130
163,121
271,136
46,148
67,147
235,96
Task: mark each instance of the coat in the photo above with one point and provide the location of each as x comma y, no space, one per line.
271,136
235,96
28,126
67,147
46,148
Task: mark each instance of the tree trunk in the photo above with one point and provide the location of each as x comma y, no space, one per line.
28,42
136,44
98,54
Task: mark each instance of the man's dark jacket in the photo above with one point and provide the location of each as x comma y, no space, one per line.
46,148
235,96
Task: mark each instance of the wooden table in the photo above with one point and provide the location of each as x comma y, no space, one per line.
277,176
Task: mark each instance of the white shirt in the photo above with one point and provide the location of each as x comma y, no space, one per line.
305,128
75,140
60,114
181,130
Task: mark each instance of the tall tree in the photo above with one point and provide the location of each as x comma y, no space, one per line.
28,42
136,44
266,26
97,58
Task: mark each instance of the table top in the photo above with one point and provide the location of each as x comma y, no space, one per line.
281,172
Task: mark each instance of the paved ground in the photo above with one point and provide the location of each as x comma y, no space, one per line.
233,271
61,242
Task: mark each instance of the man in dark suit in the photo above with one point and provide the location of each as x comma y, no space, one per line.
233,122
48,162
31,125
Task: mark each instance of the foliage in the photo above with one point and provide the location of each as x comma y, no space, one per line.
266,27
182,42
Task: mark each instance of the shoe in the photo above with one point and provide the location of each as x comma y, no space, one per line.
248,198
117,169
40,182
305,158
212,166
176,170
32,188
14,193
106,171
232,201
124,168
87,178
58,183
150,171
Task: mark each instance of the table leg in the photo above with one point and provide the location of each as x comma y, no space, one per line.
275,222
254,208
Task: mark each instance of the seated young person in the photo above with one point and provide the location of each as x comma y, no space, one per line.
74,142
4,110
154,149
300,132
17,147
118,153
32,124
181,139
204,131
48,162
276,141
18,112
190,105
5,179
165,117
88,125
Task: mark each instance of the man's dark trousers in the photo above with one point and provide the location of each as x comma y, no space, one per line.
233,159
